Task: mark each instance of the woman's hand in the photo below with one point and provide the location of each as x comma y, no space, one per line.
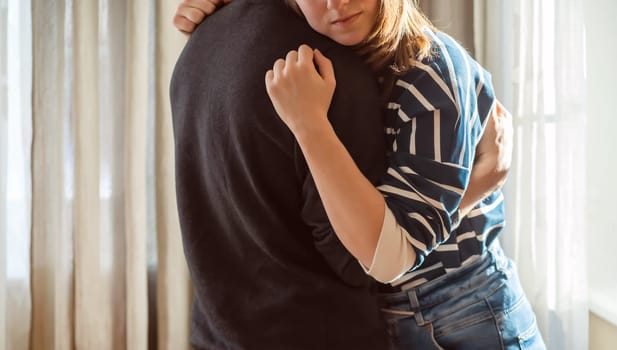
191,13
301,95
493,158
497,141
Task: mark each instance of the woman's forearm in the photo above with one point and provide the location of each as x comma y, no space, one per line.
354,206
493,158
485,178
301,96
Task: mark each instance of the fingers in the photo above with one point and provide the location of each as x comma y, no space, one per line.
503,121
305,55
269,76
195,10
497,141
191,13
278,67
183,24
501,111
269,79
304,59
326,70
507,135
292,57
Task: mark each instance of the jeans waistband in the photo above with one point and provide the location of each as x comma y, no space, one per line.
466,278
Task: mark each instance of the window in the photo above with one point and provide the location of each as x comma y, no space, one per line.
15,179
601,165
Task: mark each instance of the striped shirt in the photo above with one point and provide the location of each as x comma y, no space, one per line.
434,120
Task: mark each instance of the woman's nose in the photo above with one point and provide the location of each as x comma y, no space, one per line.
337,4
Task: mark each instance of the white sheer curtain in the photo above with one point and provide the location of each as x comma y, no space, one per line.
92,257
3,165
536,51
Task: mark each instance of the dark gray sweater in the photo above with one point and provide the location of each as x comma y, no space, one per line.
267,269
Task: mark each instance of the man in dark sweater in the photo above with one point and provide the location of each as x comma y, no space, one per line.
267,269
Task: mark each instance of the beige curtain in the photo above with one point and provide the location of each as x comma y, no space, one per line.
453,17
106,268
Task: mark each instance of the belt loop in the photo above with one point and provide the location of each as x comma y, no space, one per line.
415,306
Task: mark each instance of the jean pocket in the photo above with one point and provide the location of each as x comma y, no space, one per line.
472,327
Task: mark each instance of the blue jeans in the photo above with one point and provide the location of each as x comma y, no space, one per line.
479,306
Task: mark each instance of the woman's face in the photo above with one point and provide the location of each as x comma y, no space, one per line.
348,22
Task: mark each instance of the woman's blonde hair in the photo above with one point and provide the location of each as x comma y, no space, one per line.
398,38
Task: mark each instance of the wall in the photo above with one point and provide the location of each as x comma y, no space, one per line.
602,334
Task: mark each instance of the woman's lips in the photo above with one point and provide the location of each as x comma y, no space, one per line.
346,20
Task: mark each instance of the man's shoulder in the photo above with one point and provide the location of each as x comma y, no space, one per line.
271,17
